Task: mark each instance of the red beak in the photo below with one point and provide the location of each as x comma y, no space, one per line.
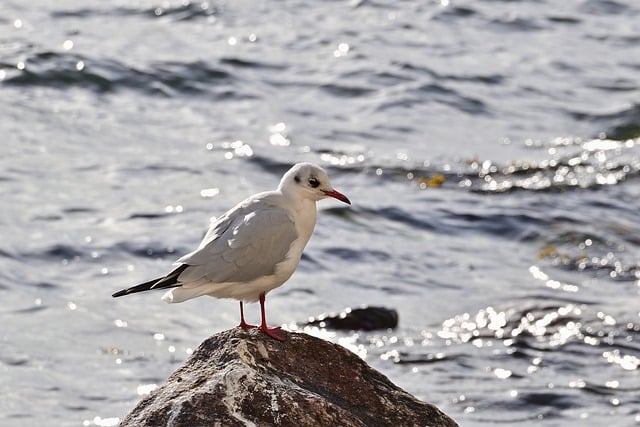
337,195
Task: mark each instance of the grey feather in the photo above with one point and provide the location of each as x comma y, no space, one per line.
243,245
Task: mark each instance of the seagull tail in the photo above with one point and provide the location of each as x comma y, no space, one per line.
168,281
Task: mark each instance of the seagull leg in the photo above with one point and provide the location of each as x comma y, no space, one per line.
272,332
243,324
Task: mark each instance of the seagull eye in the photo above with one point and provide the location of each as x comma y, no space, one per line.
313,182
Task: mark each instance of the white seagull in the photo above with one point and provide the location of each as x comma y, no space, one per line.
253,248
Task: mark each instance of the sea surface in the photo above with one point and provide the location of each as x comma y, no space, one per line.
490,148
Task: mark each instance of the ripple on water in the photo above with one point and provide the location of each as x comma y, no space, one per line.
549,329
180,11
369,255
603,7
433,93
346,91
56,252
620,125
416,70
574,164
605,258
517,361
168,78
147,250
401,216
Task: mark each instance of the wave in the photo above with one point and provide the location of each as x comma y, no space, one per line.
603,7
167,78
574,165
538,354
184,11
412,95
549,327
619,125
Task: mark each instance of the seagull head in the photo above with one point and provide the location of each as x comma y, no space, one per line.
309,181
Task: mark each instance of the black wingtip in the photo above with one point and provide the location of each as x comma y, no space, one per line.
168,281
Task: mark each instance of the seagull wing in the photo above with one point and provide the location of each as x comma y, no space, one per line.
246,243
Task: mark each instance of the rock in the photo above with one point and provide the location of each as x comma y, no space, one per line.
244,378
367,318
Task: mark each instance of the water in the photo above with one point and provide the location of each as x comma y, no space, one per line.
490,148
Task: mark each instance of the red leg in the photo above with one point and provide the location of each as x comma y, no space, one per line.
272,332
243,324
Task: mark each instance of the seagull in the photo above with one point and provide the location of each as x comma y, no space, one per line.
253,248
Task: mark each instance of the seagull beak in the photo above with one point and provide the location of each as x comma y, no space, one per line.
337,195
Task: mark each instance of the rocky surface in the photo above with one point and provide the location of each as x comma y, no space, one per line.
244,378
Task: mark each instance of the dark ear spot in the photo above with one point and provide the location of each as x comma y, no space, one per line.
296,179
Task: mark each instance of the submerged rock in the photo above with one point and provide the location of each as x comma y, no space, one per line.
244,378
367,318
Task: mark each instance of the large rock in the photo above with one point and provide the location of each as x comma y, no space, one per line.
244,378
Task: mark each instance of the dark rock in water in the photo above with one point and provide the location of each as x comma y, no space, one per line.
358,319
244,378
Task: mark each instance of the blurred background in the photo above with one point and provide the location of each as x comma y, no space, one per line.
490,149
